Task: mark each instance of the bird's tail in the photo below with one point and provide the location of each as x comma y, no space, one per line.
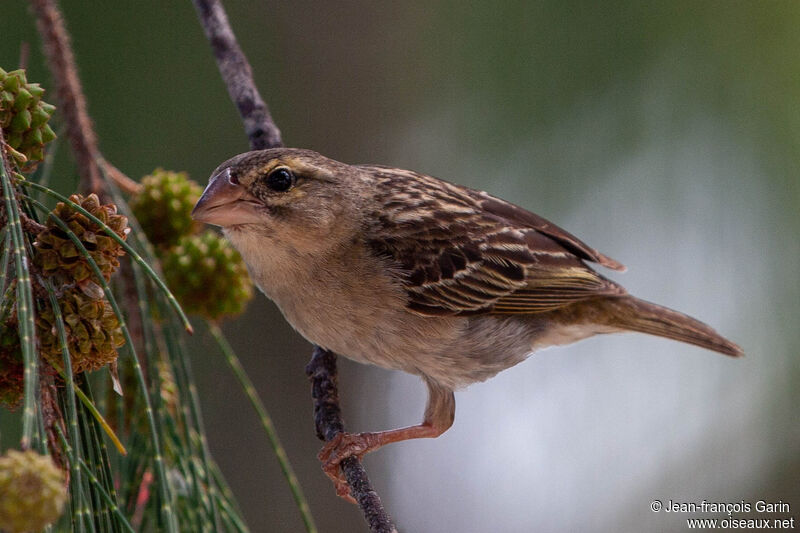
633,314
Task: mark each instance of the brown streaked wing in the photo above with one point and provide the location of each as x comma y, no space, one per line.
460,258
516,215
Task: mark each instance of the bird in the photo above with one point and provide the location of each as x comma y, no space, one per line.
405,271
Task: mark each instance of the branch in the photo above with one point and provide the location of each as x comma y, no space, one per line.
321,370
72,102
61,60
238,76
263,133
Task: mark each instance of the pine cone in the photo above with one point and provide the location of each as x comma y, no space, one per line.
32,491
23,117
93,332
57,255
208,276
164,205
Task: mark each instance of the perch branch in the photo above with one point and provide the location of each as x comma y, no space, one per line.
238,76
321,370
263,133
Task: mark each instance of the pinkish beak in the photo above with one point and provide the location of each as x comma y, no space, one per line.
226,203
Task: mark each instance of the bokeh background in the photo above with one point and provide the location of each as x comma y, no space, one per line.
665,134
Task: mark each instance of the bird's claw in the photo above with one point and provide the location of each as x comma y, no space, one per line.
339,448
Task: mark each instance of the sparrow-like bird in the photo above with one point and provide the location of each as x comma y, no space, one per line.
409,272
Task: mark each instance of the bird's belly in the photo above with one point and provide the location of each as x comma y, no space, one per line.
453,352
346,318
383,335
362,317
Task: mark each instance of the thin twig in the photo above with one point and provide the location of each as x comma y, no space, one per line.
263,133
53,418
30,225
24,54
321,370
58,50
72,101
120,178
238,76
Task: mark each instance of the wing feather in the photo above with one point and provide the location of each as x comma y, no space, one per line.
460,251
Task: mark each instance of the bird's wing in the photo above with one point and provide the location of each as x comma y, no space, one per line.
461,251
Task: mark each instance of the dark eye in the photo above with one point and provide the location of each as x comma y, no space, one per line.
280,180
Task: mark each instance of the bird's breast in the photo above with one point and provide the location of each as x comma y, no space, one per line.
347,301
364,317
350,302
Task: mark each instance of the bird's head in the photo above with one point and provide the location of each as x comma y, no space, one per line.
288,195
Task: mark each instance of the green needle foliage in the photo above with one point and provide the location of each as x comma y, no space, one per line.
129,434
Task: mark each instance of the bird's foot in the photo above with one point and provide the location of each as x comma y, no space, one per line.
339,448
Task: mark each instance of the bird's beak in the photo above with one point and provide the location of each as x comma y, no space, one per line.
226,203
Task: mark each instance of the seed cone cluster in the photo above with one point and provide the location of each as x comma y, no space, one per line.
164,205
32,492
59,257
206,274
93,332
23,117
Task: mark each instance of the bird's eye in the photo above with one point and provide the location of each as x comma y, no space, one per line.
280,180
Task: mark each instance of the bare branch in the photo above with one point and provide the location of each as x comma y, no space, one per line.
58,50
238,76
120,178
24,55
30,225
72,102
321,370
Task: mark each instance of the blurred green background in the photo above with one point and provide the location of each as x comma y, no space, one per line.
665,134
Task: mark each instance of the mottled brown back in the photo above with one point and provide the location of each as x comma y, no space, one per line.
462,251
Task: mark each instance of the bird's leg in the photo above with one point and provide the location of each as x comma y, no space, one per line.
439,415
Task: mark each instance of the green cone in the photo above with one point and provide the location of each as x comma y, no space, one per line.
208,276
24,117
164,205
32,491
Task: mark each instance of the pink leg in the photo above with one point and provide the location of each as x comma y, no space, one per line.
439,415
